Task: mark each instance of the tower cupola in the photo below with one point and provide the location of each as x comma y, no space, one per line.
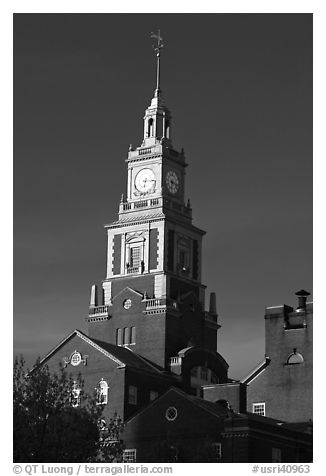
157,119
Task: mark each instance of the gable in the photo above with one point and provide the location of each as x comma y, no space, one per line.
78,341
126,292
193,418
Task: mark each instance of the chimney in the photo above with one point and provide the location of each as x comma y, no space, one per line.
212,303
302,299
93,302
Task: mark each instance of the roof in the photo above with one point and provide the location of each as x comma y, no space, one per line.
214,408
128,357
262,423
122,356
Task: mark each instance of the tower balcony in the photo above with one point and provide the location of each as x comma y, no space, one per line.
157,202
157,305
140,204
99,311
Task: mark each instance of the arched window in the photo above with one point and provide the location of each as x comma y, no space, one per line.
102,392
150,127
120,336
295,358
75,394
167,129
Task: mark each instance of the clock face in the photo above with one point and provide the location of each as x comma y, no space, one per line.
172,181
145,181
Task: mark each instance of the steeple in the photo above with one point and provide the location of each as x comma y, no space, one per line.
157,48
157,119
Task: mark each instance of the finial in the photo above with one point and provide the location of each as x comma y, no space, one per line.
157,48
122,198
130,147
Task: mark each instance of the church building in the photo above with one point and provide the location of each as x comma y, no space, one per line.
151,347
148,328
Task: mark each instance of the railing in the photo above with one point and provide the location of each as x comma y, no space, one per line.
144,151
135,269
175,360
152,202
98,311
155,202
141,204
161,303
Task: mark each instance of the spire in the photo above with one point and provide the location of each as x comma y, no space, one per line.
157,48
157,120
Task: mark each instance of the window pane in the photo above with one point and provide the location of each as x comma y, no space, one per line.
133,335
119,337
129,456
126,335
135,257
132,397
258,408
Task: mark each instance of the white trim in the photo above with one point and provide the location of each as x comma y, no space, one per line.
88,341
262,404
130,451
256,369
275,307
175,412
129,289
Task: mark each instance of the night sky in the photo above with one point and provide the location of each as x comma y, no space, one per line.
239,87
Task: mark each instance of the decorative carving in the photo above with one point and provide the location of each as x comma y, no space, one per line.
75,359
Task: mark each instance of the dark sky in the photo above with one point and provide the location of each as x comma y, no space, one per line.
239,87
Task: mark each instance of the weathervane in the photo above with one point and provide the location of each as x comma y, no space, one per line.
157,48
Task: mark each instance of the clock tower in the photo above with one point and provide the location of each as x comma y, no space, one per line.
153,298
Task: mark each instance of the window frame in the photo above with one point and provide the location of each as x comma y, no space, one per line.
102,383
75,396
130,455
257,404
132,395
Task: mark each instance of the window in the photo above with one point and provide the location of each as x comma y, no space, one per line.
126,335
217,451
135,257
295,358
102,392
171,414
150,127
258,408
133,335
193,372
167,129
129,456
132,395
119,336
75,394
153,395
127,303
276,455
214,379
204,373
75,358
